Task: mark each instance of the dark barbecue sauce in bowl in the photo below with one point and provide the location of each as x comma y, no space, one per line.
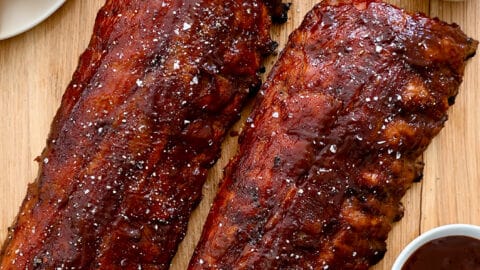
451,252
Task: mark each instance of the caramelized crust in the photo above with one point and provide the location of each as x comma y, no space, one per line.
138,127
359,92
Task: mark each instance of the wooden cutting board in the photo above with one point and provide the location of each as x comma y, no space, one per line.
36,67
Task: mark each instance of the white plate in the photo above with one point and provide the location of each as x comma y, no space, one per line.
18,16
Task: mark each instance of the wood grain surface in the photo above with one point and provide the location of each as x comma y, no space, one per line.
36,67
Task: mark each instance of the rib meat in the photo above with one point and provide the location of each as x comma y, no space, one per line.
139,125
360,90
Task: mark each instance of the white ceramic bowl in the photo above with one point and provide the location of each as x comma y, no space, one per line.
443,231
18,16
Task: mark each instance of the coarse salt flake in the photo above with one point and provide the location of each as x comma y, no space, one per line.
194,80
186,26
333,148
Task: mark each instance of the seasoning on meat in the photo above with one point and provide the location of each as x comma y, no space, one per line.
360,90
139,125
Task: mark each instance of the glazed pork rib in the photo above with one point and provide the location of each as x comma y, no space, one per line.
138,127
360,90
